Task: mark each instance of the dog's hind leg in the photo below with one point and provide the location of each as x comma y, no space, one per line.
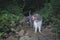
39,29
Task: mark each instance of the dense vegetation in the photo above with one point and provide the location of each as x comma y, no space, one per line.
11,12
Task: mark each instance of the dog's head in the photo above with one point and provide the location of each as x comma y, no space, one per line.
36,17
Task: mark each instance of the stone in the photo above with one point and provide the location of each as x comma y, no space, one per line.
25,38
28,38
21,33
11,38
27,34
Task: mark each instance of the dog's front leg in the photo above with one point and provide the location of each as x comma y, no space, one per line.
35,26
35,29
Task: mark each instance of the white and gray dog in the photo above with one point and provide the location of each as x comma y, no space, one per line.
37,22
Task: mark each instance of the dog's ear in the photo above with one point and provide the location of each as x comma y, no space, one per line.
32,17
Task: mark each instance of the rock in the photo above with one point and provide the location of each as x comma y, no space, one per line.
27,34
28,38
25,38
11,38
21,33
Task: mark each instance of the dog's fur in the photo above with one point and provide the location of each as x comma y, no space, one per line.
37,22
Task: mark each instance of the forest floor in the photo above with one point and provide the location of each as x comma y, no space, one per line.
27,33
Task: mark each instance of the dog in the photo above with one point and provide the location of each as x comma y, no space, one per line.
37,22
